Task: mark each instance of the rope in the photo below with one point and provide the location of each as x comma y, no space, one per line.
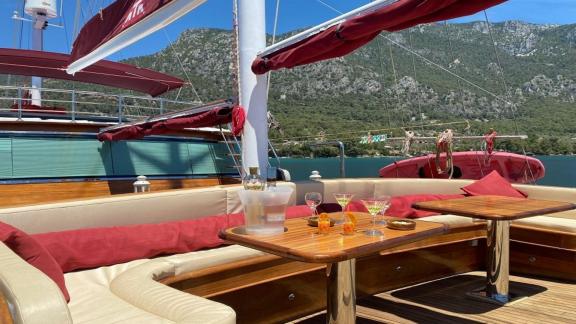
182,66
273,42
415,78
408,142
444,143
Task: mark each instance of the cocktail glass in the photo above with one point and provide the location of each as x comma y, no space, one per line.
343,199
313,199
386,201
374,206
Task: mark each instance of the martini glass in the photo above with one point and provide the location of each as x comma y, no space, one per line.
386,201
313,199
343,199
374,206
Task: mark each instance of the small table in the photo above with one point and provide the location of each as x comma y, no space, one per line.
301,242
498,211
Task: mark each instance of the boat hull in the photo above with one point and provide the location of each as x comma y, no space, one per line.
515,168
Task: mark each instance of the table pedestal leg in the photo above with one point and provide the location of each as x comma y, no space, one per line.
341,292
497,264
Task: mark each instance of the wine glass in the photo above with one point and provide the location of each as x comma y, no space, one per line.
313,199
343,199
374,206
386,201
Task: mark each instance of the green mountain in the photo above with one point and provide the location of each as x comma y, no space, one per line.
524,84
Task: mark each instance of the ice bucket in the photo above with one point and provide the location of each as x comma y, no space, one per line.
265,211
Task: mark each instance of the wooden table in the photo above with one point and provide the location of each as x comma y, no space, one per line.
303,243
498,211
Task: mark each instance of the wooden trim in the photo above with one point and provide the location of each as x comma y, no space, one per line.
39,193
543,236
303,243
5,316
545,261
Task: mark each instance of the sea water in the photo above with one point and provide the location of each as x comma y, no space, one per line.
560,169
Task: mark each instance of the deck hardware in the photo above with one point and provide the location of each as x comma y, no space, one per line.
532,259
291,296
398,268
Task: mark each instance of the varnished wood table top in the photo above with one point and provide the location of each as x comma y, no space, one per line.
303,243
495,207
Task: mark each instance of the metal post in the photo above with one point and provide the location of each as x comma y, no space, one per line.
341,292
120,111
161,106
37,44
342,155
498,262
19,103
73,105
253,95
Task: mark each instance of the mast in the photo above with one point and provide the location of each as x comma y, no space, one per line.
41,11
252,92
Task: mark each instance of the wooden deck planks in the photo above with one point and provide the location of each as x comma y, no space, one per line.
444,301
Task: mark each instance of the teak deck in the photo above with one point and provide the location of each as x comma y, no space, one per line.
445,301
302,243
495,207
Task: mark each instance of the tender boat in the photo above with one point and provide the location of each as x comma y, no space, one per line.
469,165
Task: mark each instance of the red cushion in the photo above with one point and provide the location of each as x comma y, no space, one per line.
401,206
34,253
96,247
298,211
493,184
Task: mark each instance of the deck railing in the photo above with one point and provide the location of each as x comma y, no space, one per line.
85,105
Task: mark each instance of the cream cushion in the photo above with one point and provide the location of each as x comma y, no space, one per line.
452,221
548,222
130,292
32,297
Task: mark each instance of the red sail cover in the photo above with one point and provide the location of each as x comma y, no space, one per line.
216,116
112,21
353,33
108,73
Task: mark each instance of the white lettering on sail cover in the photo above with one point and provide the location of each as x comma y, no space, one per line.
137,10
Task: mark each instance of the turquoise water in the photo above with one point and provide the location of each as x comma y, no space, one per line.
560,170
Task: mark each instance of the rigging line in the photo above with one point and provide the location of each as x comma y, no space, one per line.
375,130
382,72
395,84
416,80
431,62
235,57
77,18
454,58
501,70
273,42
182,65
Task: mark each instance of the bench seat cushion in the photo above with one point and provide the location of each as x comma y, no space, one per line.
549,223
130,293
452,221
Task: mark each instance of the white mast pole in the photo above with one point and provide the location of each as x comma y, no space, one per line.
252,92
37,45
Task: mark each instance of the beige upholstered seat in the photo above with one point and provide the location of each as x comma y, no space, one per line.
130,292
549,222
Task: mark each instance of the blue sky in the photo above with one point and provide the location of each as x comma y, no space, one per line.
294,14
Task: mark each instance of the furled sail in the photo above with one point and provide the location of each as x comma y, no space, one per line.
121,24
349,33
113,74
213,114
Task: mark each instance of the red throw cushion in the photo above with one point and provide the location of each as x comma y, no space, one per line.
401,206
34,253
96,247
298,211
493,184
